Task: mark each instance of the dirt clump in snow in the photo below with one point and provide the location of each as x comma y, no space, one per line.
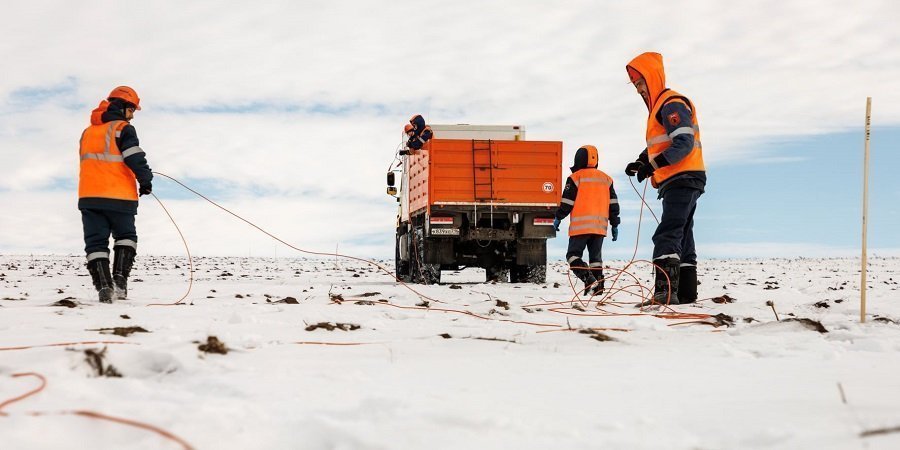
68,302
813,325
724,299
120,331
287,300
97,360
213,345
596,335
331,326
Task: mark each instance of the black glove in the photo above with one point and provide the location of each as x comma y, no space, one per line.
146,188
632,168
426,134
645,171
414,143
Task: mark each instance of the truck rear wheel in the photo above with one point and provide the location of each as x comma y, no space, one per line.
401,267
499,274
420,272
528,273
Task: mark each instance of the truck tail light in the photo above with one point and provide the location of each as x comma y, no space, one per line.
539,221
441,220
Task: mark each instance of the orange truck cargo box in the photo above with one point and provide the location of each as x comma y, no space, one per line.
485,172
476,196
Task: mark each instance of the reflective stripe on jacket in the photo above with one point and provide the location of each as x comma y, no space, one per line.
103,172
658,140
589,214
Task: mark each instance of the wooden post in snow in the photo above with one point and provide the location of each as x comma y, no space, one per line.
865,213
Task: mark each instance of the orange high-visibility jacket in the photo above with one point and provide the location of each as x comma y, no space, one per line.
589,214
103,171
650,67
658,140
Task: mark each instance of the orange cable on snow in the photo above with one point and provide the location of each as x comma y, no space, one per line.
468,313
188,250
309,252
669,313
86,413
133,423
27,394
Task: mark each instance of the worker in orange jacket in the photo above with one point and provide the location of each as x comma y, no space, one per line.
591,200
112,167
673,160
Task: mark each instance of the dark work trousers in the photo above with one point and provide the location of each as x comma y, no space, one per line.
674,237
594,244
99,223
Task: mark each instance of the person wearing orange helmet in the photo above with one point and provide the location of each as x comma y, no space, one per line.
113,173
590,198
673,161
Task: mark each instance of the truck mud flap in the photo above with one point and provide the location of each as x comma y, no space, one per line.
439,251
531,251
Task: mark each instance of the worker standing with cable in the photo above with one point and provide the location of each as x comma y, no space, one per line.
673,160
591,199
111,162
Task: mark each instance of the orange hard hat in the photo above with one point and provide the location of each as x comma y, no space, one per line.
408,128
127,94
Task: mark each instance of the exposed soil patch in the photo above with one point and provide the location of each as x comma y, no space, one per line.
724,299
596,335
331,326
66,302
213,345
97,360
813,325
120,331
722,319
287,300
879,431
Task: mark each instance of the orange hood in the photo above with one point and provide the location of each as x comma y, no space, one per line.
649,66
97,113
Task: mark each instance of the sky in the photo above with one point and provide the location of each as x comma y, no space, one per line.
290,112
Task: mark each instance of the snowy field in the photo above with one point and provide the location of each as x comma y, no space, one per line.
481,366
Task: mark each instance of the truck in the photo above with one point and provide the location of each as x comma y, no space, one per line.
476,196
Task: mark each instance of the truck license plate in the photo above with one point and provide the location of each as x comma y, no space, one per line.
445,231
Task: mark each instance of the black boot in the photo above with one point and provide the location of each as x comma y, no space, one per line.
666,288
580,269
122,262
687,285
99,269
597,288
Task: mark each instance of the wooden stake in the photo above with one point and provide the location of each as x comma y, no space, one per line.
865,213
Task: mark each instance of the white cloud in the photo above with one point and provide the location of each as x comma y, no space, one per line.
757,71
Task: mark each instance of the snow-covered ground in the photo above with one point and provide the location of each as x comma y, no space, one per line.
491,380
